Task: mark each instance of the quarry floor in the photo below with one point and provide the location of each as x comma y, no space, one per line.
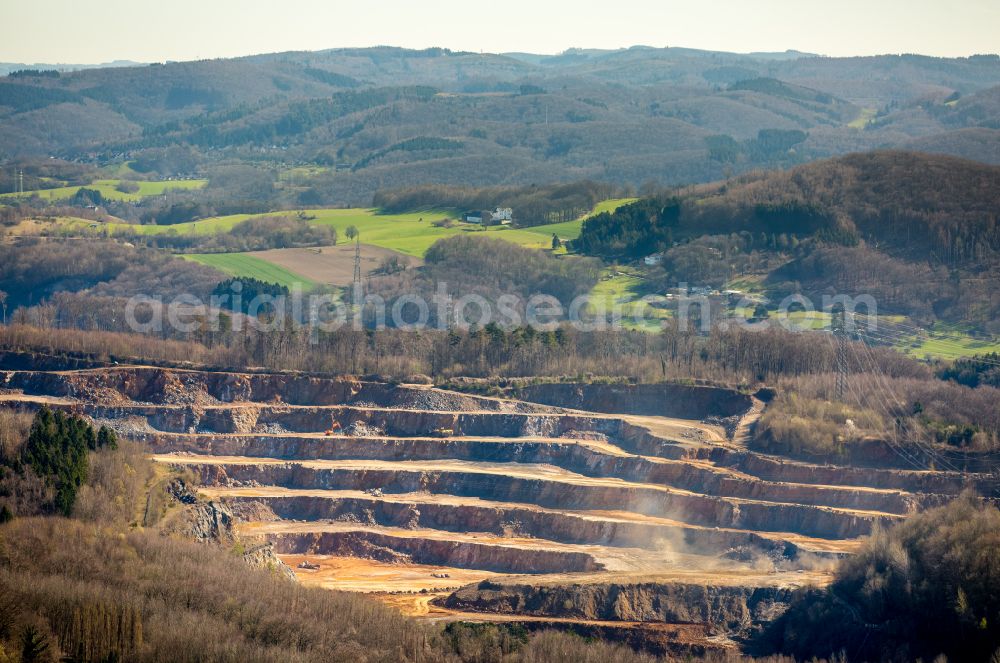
452,507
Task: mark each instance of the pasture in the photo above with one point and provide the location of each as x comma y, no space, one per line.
108,189
411,234
942,341
243,264
621,292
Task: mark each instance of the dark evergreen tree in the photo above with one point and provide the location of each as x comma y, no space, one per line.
57,449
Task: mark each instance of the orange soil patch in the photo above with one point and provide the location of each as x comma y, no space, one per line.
353,574
332,265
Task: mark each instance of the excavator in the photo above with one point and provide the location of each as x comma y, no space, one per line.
334,426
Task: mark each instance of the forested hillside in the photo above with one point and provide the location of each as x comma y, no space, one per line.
920,233
382,118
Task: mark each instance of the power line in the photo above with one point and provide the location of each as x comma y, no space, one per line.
888,391
883,391
838,324
903,327
863,402
883,337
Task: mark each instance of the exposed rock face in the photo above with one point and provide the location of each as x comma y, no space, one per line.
664,400
262,557
695,508
37,361
463,554
213,522
775,468
209,522
514,521
569,455
137,384
163,386
663,523
735,608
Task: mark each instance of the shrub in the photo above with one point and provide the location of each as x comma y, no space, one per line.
926,587
799,425
14,429
127,186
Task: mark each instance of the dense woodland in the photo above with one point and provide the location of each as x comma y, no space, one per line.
470,266
911,205
385,118
919,233
43,468
924,588
974,371
631,231
33,270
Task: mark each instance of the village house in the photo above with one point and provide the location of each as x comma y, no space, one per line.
499,216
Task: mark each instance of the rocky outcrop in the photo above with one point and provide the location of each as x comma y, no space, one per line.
735,608
663,400
512,520
433,551
208,522
213,523
692,508
570,455
262,556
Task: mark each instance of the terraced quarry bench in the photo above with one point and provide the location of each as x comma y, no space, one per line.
454,506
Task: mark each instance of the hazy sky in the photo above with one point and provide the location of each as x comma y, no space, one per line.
88,31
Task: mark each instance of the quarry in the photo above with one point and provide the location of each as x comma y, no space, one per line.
629,512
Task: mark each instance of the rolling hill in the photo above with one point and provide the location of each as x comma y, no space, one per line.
918,232
388,117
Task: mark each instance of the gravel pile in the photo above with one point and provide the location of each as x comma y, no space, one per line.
129,427
361,429
271,429
185,390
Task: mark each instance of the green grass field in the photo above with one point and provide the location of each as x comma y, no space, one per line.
241,264
571,229
567,230
945,341
411,234
624,290
863,119
108,190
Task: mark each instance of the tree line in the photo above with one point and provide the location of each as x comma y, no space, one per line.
532,205
44,472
